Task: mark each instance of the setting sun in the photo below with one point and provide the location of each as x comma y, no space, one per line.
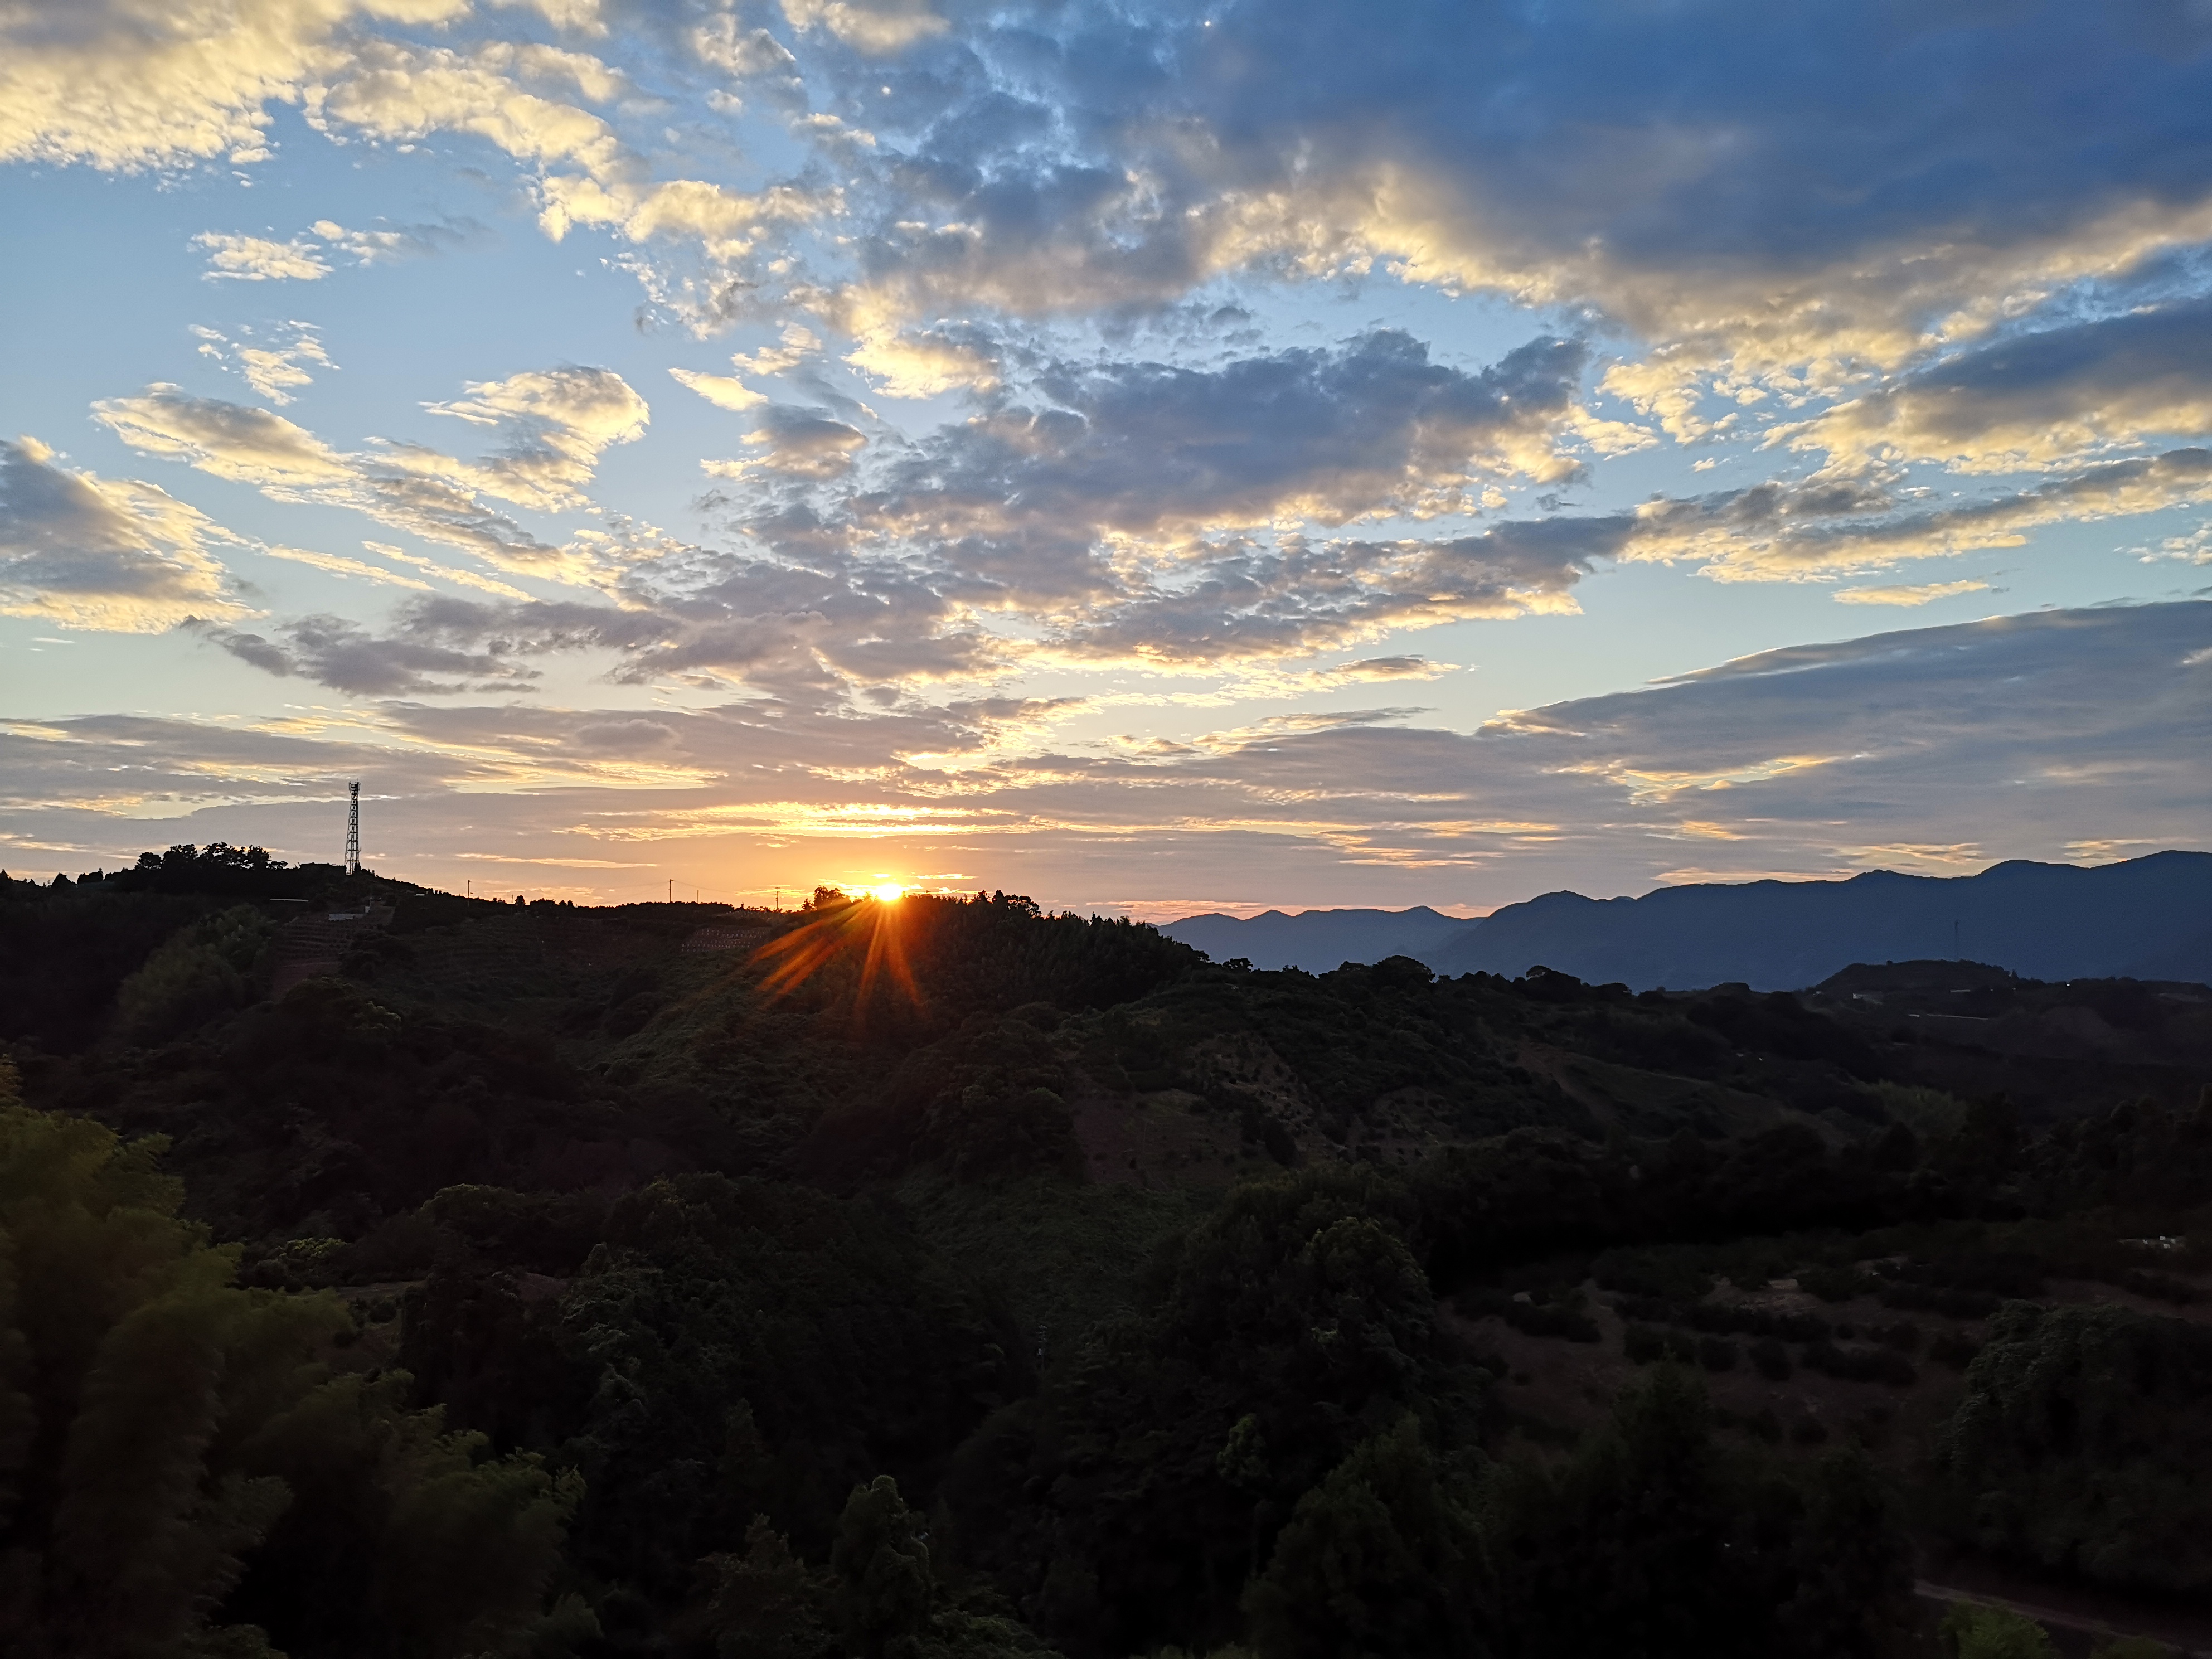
887,891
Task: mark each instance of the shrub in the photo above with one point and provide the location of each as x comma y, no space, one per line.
1953,1349
1861,1364
1646,1344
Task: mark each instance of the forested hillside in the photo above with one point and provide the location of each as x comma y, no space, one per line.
391,1273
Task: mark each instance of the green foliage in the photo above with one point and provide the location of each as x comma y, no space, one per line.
2082,1446
1971,1631
400,1536
158,1426
202,971
1634,1535
1851,1564
1649,1541
1384,1559
745,1348
700,1278
1108,1508
64,952
765,1603
886,1589
891,1602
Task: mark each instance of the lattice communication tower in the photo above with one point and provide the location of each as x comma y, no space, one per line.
352,829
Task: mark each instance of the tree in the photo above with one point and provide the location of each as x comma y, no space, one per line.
167,1439
766,1603
885,1589
2081,1443
1628,1551
1383,1561
1852,1564
198,973
1975,1632
889,1600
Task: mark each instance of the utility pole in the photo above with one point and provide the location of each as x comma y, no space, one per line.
671,889
353,828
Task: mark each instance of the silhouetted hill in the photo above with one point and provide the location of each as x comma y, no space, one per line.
641,1282
1318,940
2147,918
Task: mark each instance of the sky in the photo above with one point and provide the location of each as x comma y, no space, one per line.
1152,458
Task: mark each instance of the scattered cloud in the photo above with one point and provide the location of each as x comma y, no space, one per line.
274,370
345,656
874,26
129,84
1920,594
223,440
554,425
1816,760
2038,400
113,555
723,390
258,259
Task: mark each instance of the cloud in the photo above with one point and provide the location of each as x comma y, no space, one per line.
1252,602
390,246
127,84
303,258
796,443
342,655
1813,760
1891,196
1826,525
256,259
724,44
224,439
926,363
1372,428
272,370
1126,509
723,390
2039,400
529,101
338,565
116,555
555,423
1922,594
876,28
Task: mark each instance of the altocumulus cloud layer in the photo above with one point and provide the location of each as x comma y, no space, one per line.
1887,751
1046,425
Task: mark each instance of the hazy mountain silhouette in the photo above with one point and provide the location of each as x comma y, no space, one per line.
2148,918
1318,940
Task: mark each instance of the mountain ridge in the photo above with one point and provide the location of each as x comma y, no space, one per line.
2142,918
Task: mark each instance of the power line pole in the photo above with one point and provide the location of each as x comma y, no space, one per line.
353,828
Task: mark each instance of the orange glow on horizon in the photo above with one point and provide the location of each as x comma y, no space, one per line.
875,918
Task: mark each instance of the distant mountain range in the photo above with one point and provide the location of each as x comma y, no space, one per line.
2147,918
1318,940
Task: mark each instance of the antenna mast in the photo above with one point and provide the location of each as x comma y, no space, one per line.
353,828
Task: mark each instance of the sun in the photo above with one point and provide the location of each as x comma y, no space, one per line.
888,891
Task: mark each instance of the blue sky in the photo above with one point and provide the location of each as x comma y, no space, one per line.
1156,459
